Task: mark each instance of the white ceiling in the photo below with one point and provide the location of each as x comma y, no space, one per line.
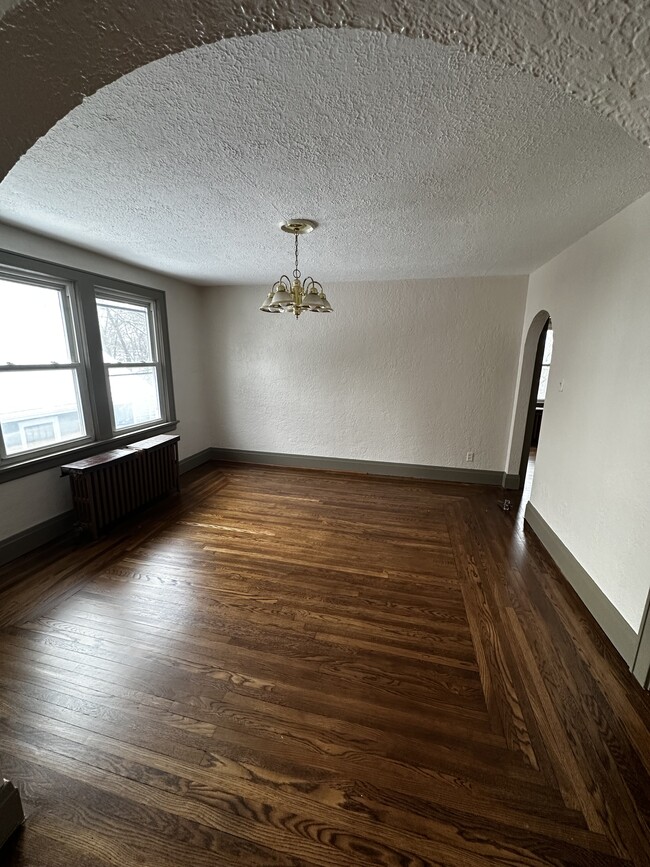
416,159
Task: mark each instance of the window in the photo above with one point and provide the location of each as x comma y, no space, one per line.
131,360
41,377
84,364
546,364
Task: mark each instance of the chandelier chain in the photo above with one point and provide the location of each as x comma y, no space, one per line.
296,272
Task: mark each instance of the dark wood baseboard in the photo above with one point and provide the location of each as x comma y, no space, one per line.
352,465
40,534
194,461
613,624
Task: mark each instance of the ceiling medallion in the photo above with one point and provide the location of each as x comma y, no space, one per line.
294,296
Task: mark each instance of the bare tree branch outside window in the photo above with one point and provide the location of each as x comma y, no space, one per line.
125,333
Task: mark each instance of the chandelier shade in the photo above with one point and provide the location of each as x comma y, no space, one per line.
297,295
282,298
266,307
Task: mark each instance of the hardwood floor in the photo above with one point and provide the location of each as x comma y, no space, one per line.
285,667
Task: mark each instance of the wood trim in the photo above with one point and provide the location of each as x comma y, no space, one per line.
350,465
641,664
194,461
511,481
27,540
614,625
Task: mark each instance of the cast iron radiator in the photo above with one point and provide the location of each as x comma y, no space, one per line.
109,486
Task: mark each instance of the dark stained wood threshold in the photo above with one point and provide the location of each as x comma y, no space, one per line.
287,667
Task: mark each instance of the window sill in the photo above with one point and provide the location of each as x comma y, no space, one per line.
66,456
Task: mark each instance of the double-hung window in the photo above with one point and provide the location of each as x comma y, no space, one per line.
131,359
44,401
84,364
546,366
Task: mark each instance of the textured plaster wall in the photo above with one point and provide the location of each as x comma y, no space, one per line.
416,372
30,500
53,53
593,463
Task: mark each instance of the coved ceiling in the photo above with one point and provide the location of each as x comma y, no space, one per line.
53,53
463,136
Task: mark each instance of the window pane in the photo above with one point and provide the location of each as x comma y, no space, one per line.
39,408
32,325
134,392
543,383
548,347
126,332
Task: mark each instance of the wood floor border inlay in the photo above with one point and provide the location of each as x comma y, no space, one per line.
287,667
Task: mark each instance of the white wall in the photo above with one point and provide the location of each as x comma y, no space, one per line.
414,372
30,500
592,478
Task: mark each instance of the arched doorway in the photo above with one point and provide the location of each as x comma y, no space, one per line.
526,401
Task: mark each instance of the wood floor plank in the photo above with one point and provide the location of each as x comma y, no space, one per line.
216,805
407,681
240,753
573,786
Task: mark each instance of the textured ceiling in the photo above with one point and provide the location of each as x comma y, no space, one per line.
417,160
53,53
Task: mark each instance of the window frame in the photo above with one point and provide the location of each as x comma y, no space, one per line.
72,328
547,365
156,353
83,288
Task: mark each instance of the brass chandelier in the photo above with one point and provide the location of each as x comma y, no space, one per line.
294,296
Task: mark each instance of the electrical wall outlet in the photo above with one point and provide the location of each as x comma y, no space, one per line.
469,457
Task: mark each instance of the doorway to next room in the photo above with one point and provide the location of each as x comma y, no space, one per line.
536,408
